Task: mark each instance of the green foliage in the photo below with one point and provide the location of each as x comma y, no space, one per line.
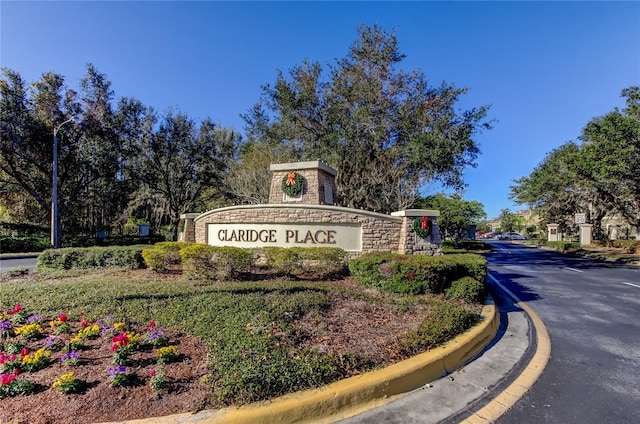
416,274
464,246
386,131
215,263
23,244
629,246
562,245
163,254
448,320
467,289
16,272
91,257
315,262
17,387
456,214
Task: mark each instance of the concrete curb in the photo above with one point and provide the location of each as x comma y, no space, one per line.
353,395
500,404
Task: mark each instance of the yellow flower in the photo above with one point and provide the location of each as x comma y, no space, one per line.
29,330
65,378
119,325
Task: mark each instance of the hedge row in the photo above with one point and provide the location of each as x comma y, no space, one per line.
92,257
23,244
629,246
218,263
416,274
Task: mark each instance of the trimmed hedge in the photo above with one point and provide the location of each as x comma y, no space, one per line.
92,257
164,253
446,321
317,262
23,244
215,263
463,246
562,245
416,274
467,289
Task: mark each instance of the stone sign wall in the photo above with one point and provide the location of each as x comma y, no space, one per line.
311,220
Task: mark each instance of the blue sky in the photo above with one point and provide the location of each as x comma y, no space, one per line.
546,68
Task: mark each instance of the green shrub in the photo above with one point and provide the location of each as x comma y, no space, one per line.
467,289
215,263
448,246
563,245
447,321
92,257
317,262
371,269
416,274
629,246
16,272
23,244
164,253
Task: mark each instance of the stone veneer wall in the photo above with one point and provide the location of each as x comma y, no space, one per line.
316,175
380,233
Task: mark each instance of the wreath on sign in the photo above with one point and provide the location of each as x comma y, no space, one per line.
292,184
422,227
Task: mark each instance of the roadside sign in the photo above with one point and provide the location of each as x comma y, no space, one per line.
581,218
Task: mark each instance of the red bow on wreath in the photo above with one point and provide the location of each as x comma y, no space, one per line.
424,223
291,179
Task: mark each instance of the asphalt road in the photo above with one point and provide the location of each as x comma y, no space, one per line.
8,263
591,310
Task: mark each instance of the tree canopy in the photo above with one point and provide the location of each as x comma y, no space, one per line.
386,131
598,176
456,214
117,159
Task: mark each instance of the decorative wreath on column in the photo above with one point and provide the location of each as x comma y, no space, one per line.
422,227
292,184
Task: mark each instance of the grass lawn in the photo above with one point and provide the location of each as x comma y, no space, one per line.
265,338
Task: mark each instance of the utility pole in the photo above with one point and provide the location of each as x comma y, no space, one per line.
55,225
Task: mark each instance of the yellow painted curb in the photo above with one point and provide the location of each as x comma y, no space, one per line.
352,395
521,385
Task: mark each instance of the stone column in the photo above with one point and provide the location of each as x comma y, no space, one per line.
188,233
410,243
586,234
552,232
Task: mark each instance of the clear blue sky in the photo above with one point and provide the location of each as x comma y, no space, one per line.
546,68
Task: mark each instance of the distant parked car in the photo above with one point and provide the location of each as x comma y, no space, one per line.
512,236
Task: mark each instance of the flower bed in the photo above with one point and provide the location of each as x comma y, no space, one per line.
72,358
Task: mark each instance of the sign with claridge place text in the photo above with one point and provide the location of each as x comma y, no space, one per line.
344,236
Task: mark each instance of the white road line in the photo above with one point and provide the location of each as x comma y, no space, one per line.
630,284
572,269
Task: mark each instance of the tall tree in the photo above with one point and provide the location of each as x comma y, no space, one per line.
386,131
456,214
180,160
611,156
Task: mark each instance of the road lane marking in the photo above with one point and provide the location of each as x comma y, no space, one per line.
631,284
572,269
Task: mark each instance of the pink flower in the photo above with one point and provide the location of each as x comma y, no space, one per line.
151,326
16,309
24,352
7,378
63,318
152,373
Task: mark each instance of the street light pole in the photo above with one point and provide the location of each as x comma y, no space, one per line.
55,226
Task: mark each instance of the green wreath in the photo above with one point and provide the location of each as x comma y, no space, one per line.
418,225
292,184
